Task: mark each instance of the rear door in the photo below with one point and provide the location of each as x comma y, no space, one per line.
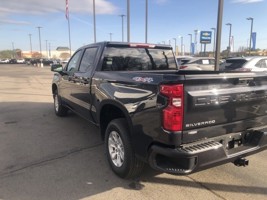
81,83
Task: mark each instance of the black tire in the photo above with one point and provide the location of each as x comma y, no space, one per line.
60,110
131,166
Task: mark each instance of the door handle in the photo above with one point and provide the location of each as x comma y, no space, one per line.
85,80
79,79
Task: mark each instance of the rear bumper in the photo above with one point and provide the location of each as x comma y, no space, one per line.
205,154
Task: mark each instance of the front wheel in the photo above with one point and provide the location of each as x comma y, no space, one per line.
60,110
119,151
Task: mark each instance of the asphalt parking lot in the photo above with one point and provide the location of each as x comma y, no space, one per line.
46,157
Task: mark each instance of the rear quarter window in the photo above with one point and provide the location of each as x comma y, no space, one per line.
262,63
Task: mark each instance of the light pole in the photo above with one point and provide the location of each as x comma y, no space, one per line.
128,20
13,49
219,34
46,48
230,35
94,21
40,44
122,28
146,21
196,33
251,29
214,40
174,46
190,43
110,36
182,44
30,36
49,45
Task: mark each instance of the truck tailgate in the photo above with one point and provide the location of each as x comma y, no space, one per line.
217,104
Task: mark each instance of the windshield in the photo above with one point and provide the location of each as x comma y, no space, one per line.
138,59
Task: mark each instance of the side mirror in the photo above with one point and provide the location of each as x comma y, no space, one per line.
56,68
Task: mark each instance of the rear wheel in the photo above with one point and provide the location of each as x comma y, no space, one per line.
119,151
60,110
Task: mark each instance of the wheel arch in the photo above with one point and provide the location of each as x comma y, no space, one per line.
54,88
110,110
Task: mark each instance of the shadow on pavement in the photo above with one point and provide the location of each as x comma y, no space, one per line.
46,157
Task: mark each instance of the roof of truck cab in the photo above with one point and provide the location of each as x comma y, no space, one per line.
129,44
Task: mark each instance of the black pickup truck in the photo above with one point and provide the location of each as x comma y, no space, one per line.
149,111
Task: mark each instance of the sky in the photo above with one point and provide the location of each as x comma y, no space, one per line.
167,19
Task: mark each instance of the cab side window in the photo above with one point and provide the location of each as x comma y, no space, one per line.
73,63
88,59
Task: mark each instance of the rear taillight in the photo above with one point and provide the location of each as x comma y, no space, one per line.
173,113
142,45
182,67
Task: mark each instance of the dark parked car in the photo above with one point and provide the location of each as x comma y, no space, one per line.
47,62
13,61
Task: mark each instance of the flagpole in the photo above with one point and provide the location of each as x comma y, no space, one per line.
68,18
94,21
69,35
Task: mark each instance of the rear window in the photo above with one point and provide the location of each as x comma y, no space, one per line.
233,64
138,59
184,61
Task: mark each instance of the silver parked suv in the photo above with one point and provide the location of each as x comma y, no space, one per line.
254,64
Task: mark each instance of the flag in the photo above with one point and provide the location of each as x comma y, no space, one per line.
67,10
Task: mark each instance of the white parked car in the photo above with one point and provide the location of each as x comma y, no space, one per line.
20,61
199,64
4,61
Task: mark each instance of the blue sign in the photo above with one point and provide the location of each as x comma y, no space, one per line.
205,37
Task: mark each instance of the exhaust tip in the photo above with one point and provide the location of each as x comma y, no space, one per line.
241,162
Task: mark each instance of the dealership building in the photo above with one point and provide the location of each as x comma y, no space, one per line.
61,53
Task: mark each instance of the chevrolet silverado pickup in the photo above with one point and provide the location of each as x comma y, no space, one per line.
149,111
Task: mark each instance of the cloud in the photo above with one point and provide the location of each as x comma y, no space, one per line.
51,6
161,1
7,21
9,8
247,1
